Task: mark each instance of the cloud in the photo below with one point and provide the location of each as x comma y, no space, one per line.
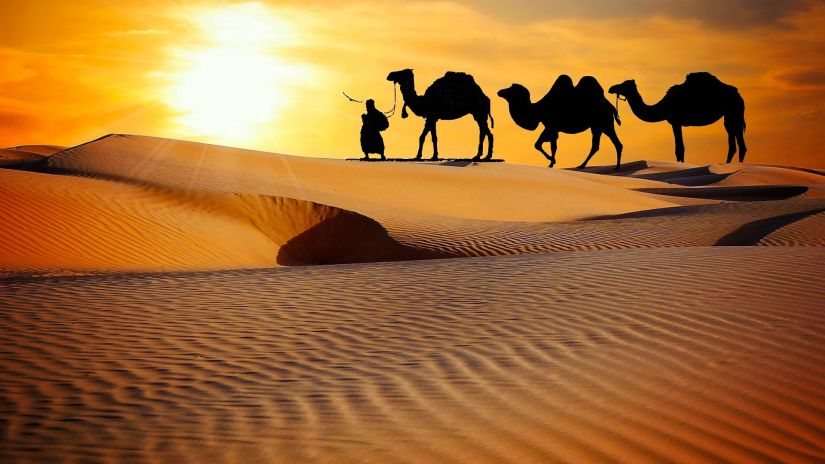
804,77
718,13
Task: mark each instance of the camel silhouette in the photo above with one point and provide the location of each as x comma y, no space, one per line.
566,109
700,101
450,97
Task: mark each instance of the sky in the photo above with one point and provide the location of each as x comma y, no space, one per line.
269,75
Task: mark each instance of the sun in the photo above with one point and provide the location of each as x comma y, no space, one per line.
233,86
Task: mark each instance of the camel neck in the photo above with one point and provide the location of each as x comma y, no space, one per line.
644,111
411,97
523,114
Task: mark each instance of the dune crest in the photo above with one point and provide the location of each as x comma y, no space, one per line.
66,222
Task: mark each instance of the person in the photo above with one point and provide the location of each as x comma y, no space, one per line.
373,122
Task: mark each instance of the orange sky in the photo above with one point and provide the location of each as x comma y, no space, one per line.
269,75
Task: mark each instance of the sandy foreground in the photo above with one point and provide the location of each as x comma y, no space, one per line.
168,301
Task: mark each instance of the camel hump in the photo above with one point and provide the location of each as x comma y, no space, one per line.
588,85
706,82
588,89
453,85
563,84
456,76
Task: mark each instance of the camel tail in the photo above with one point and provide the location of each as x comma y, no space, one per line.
492,122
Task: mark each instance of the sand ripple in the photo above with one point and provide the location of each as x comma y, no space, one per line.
596,357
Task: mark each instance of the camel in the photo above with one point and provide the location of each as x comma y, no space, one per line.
451,96
700,101
566,109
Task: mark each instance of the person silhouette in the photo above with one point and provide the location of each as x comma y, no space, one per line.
373,122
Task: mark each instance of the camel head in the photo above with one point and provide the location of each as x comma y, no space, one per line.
514,92
401,77
624,89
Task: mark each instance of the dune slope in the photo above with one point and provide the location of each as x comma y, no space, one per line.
50,222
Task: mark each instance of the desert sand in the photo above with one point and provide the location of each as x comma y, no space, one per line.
170,301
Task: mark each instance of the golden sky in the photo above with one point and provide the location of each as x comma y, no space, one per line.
269,75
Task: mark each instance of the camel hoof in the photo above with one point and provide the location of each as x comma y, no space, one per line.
580,167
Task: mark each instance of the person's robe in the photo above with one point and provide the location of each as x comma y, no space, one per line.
373,123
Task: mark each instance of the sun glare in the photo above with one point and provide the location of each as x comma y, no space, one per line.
233,86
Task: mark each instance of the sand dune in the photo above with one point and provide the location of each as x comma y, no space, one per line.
71,223
9,157
478,191
26,153
53,222
665,355
662,313
719,175
731,224
805,231
413,211
42,150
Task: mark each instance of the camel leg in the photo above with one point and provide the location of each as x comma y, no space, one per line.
480,142
434,136
546,136
553,147
731,130
597,136
611,134
680,143
731,146
422,138
489,143
483,131
735,125
740,138
489,136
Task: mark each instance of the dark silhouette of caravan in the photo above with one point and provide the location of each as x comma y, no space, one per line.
450,97
566,109
700,101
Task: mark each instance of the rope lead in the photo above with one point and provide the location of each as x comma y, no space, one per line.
388,113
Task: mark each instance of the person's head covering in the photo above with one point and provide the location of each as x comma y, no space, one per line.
370,103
